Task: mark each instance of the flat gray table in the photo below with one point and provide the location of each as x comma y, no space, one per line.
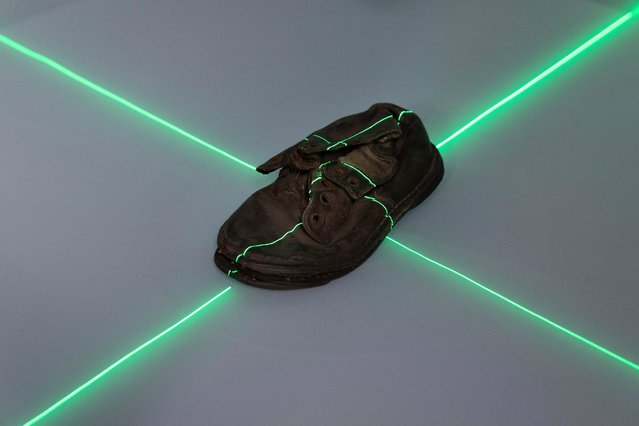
108,222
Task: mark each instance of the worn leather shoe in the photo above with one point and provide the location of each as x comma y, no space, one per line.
339,192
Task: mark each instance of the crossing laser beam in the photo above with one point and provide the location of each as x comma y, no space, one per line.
143,112
554,67
518,306
117,98
122,360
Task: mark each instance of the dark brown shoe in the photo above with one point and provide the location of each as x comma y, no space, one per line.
339,192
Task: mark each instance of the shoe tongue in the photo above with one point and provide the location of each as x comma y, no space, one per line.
298,161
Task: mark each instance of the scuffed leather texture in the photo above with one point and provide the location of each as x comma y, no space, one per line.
327,211
322,216
347,178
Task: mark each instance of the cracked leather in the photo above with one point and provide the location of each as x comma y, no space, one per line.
325,181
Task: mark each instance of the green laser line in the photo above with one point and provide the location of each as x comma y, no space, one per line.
121,360
93,86
360,172
359,133
268,244
388,216
519,306
319,137
610,28
525,87
101,90
399,118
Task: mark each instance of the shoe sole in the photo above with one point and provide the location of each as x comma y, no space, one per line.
277,282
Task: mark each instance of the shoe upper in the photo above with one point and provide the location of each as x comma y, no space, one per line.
338,193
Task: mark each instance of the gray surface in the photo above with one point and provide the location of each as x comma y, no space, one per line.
108,222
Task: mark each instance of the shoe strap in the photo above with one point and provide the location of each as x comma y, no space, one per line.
377,125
